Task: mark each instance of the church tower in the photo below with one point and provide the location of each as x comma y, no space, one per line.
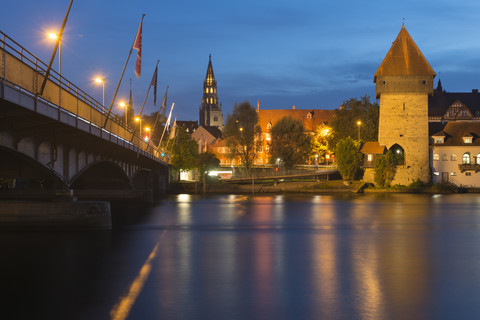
210,110
404,81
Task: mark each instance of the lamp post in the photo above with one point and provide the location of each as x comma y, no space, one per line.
139,119
359,123
124,105
102,81
147,136
54,36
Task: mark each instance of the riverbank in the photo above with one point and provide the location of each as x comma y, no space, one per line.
336,186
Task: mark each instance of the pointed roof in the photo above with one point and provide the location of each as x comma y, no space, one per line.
210,74
404,59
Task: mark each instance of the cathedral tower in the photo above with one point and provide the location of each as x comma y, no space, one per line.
210,111
404,81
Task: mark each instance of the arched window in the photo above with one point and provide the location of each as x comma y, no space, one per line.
466,158
436,156
399,154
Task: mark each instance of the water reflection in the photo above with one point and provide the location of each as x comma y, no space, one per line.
264,257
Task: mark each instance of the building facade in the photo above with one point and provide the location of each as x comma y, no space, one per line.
211,110
311,119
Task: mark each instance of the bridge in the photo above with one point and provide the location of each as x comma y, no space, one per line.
57,142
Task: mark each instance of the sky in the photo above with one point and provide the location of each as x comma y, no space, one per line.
304,53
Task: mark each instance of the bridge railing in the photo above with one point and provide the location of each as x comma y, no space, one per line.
22,70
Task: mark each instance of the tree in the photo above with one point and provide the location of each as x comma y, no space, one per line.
385,167
348,158
320,142
242,133
206,161
289,143
185,151
344,121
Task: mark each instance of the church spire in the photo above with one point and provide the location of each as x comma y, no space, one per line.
210,111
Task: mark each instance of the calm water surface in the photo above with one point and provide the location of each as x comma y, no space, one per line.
255,257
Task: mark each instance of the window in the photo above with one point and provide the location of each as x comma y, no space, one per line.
466,158
453,157
399,154
477,159
436,157
370,157
444,157
215,118
468,173
267,136
467,140
269,125
438,140
453,173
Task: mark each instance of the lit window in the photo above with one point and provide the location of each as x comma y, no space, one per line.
370,158
436,157
477,159
267,137
436,173
466,158
467,140
438,140
453,173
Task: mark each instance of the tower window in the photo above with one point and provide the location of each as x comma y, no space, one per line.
215,118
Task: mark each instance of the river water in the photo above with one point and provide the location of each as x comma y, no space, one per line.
393,256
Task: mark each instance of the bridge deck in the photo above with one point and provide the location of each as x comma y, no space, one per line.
314,174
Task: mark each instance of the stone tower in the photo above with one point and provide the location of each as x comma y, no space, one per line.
404,81
210,110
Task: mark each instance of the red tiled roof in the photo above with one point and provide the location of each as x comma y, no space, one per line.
318,117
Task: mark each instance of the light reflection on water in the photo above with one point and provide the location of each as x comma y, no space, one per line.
261,257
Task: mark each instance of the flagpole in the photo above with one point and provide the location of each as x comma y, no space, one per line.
166,125
164,103
121,77
145,100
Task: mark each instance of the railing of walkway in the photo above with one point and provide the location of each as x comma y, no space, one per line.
22,71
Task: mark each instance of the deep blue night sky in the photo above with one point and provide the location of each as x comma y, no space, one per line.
283,53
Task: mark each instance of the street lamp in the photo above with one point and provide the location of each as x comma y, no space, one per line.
359,123
147,137
124,105
54,36
139,119
102,81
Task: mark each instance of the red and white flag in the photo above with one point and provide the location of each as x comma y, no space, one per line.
137,45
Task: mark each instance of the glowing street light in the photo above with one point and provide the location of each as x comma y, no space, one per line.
124,105
54,36
102,81
359,123
139,120
147,137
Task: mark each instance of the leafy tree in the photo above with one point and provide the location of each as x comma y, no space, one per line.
207,161
385,167
344,121
348,157
185,151
289,143
242,133
320,141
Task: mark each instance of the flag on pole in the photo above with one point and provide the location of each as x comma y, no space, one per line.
167,124
137,45
154,84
